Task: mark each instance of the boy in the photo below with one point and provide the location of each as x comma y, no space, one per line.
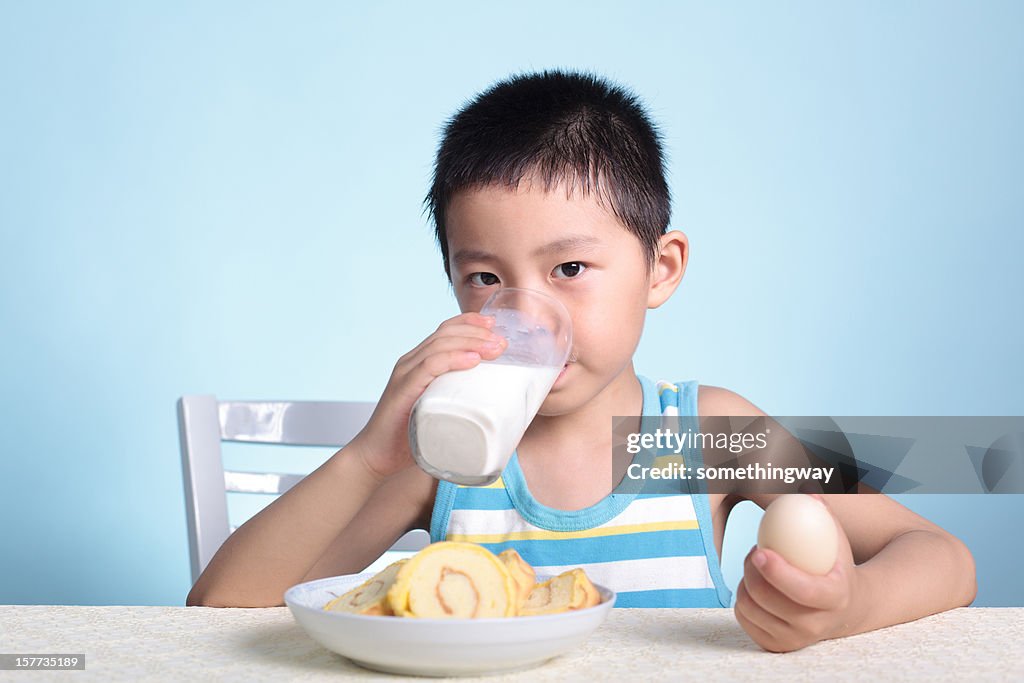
555,182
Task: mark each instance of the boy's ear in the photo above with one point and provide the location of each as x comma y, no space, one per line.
669,266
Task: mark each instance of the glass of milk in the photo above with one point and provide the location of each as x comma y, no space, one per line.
467,423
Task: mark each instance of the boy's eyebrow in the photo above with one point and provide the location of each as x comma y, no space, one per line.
563,244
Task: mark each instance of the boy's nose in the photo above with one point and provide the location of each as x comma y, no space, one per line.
543,288
531,283
535,286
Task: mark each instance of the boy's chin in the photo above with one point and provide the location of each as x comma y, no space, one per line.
564,395
553,411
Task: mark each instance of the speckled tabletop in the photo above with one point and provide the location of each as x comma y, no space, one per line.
201,643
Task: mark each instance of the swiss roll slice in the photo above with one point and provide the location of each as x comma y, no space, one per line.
370,597
453,579
567,591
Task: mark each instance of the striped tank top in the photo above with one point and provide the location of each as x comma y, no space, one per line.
653,549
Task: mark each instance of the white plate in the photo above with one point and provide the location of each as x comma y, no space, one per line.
439,647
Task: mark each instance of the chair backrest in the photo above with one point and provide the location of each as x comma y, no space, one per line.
204,422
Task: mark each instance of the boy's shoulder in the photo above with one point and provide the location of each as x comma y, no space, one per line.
712,400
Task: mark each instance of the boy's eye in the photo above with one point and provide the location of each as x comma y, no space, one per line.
569,270
483,279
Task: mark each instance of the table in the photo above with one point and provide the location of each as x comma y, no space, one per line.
206,643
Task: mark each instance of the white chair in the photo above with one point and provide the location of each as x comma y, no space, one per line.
204,422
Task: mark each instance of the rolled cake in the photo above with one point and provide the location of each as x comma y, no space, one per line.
453,579
522,574
370,597
567,591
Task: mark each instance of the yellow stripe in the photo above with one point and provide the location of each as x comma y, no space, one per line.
498,484
545,535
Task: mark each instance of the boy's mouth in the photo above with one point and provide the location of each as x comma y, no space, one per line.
572,359
562,373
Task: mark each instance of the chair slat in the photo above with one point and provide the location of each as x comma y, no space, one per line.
206,506
204,422
297,423
259,482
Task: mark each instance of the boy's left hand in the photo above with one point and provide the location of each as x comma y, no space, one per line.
784,608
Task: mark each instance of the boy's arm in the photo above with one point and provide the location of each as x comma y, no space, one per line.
286,541
894,566
278,547
403,503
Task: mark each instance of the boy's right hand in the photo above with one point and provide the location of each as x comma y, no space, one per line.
459,343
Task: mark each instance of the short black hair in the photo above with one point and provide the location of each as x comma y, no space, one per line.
561,126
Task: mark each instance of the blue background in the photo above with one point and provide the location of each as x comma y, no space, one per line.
227,199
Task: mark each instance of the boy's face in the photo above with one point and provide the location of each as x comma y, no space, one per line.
571,248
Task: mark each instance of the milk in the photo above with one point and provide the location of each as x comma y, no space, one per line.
467,423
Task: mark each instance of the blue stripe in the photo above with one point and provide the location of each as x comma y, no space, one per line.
701,504
635,546
670,597
647,494
442,510
482,499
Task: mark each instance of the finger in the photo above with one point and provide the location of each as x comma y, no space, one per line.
484,347
767,621
471,318
817,592
467,324
463,328
457,330
756,633
770,598
435,365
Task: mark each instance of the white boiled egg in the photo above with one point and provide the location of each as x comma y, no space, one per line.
801,529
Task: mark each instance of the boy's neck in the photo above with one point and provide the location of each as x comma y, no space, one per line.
567,459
